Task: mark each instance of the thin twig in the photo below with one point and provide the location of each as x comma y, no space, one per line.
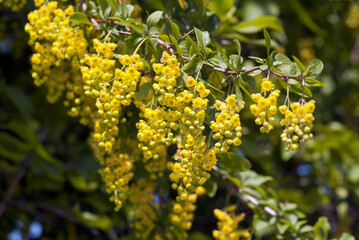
184,36
15,182
282,75
49,208
250,198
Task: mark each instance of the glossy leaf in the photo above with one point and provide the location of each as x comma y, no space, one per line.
256,25
268,41
144,90
193,66
250,80
79,17
321,229
175,30
299,64
315,68
154,18
238,46
233,161
347,236
283,58
203,38
235,62
221,7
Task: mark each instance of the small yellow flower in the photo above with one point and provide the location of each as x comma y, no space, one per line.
266,86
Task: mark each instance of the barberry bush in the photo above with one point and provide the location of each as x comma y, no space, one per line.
178,113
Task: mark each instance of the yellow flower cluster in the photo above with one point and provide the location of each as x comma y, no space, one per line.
189,168
265,107
143,208
13,5
228,225
76,101
227,127
53,40
159,115
111,87
117,175
182,216
154,133
298,123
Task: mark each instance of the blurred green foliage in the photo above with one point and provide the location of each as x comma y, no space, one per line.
46,162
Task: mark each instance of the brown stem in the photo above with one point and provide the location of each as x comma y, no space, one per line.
184,36
282,76
49,208
20,174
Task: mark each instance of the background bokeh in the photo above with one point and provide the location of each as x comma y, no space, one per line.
49,184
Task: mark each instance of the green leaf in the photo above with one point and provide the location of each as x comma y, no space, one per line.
238,46
292,81
175,31
114,5
220,7
239,96
321,229
305,17
153,19
297,88
252,179
280,57
233,161
12,148
200,6
347,236
203,39
313,82
262,227
93,220
103,5
144,90
79,17
21,102
191,45
258,24
257,59
211,188
13,155
315,68
28,135
235,62
193,66
299,64
175,42
123,10
83,184
263,67
107,12
217,61
268,41
234,180
138,29
53,170
250,80
306,229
